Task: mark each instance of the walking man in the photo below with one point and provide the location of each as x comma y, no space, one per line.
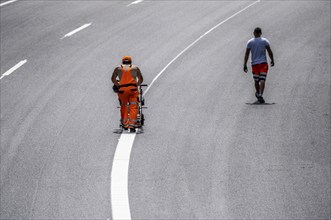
126,78
258,47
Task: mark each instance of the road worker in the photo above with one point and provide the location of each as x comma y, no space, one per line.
126,78
258,47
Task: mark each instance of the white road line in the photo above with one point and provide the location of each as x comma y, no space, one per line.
7,2
11,70
135,2
194,42
76,30
119,177
119,174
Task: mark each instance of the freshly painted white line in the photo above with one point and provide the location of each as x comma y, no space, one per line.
135,2
11,70
76,30
119,177
7,2
119,174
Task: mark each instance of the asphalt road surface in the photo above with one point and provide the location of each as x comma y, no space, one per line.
204,154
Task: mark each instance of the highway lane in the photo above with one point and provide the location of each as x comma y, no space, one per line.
58,111
36,105
207,155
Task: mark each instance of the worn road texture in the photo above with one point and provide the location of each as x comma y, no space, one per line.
205,154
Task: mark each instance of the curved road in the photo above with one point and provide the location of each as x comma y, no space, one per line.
205,154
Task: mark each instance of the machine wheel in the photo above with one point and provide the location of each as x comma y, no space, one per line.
142,119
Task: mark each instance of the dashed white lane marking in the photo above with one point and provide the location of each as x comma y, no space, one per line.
76,30
119,174
7,2
135,2
11,70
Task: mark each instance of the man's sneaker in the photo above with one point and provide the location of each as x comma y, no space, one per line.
132,130
261,100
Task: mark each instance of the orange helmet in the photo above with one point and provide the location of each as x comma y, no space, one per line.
126,60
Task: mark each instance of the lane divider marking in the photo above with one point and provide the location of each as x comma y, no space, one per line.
135,2
76,30
6,3
120,169
119,177
11,70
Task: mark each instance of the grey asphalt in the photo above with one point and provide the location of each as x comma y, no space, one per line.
205,154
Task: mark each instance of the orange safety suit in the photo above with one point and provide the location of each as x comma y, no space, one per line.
128,97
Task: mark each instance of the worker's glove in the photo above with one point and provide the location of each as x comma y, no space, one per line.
115,88
245,69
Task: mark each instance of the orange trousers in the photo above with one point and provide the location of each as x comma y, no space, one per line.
128,97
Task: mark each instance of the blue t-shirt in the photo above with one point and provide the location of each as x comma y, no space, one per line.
258,49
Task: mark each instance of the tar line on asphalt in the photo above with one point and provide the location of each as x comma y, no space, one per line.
7,2
135,2
120,169
11,70
76,30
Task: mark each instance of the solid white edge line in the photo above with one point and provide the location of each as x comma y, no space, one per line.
120,168
11,70
135,2
76,30
194,42
6,3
